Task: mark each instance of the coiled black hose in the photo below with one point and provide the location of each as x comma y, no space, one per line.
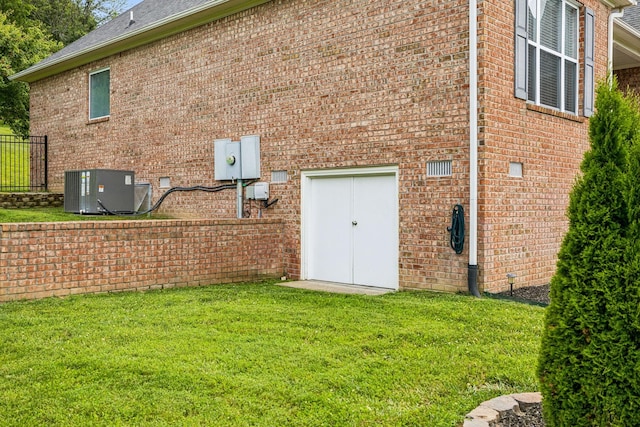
456,230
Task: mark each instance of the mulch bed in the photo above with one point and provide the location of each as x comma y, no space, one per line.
538,295
531,294
531,418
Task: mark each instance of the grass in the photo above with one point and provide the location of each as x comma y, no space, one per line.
43,215
58,214
4,129
14,163
261,355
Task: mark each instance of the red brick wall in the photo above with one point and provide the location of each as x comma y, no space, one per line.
56,259
523,220
629,79
330,84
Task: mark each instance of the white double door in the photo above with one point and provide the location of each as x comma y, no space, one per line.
352,230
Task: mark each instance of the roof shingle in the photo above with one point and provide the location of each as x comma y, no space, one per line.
631,17
147,15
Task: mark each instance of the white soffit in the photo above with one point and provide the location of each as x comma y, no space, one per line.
626,46
615,4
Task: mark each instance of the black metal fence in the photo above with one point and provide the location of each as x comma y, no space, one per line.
23,163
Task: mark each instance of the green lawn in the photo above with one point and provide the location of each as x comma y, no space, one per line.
41,215
261,355
58,214
14,162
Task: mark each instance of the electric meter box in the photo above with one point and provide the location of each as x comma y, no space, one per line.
237,160
99,191
250,155
227,160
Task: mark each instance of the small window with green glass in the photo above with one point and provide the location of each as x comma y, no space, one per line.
99,94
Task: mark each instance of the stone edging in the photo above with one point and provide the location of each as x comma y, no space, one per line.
489,412
30,200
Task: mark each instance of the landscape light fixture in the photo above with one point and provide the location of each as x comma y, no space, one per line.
511,278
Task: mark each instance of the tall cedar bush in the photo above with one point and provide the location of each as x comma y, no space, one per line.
589,365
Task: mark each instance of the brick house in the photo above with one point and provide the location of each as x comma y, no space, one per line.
626,52
376,118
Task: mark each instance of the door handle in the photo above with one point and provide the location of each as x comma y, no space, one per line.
354,222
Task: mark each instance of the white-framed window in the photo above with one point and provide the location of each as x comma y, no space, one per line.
99,94
553,54
547,47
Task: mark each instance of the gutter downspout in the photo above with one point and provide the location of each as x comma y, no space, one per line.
613,14
472,277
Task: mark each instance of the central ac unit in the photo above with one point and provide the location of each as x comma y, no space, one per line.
99,191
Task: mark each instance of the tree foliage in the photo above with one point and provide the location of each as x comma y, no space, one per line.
589,366
20,47
17,11
68,20
30,31
102,10
65,20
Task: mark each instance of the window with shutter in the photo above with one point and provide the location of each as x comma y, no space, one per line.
546,53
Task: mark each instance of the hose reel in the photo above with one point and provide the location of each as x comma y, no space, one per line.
456,238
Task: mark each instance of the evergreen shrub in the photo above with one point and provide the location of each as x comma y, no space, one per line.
589,364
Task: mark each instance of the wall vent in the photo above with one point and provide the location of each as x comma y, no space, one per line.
439,168
515,169
278,177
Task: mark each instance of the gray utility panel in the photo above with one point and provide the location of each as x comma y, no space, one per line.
237,160
99,191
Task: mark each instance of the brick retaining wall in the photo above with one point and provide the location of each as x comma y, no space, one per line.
30,200
56,259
